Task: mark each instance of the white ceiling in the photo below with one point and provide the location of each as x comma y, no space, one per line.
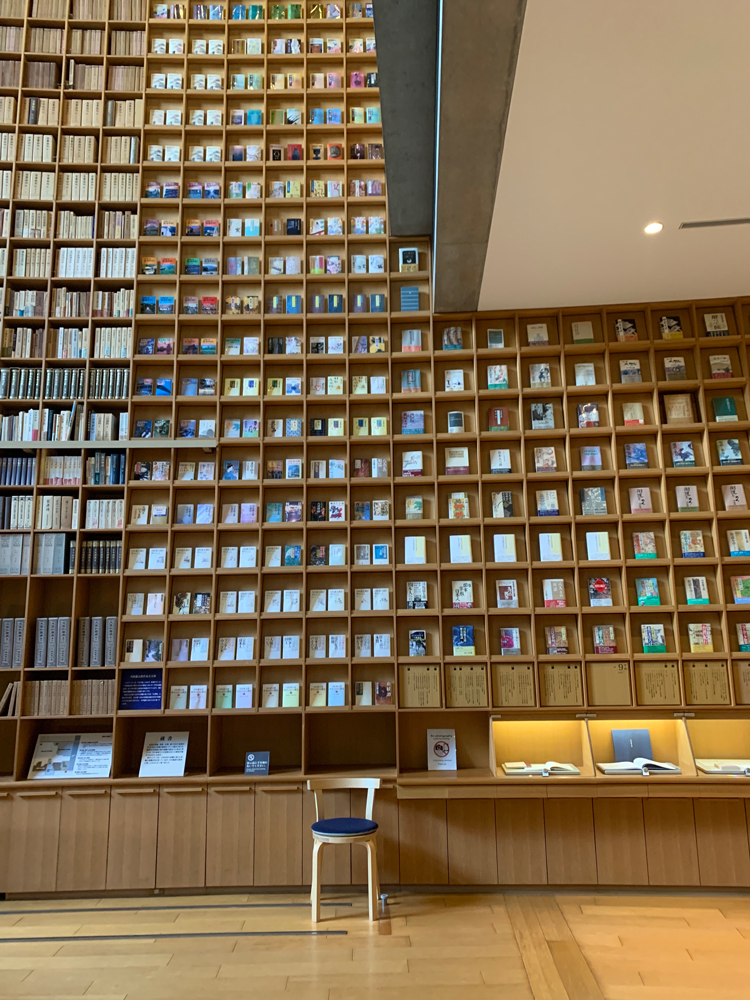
624,112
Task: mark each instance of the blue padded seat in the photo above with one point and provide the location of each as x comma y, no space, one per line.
345,826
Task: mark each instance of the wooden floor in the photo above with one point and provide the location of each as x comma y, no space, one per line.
526,946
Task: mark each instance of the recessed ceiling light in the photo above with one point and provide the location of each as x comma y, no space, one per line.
653,227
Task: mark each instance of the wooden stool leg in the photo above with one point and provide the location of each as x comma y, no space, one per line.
373,885
317,863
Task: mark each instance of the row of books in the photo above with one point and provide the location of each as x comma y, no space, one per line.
252,190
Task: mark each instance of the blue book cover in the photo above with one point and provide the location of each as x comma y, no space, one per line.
463,640
164,387
273,513
189,387
377,302
317,116
335,303
253,116
292,555
142,429
140,690
293,427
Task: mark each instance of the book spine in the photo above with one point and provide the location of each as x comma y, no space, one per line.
63,641
110,643
84,630
97,638
19,633
51,642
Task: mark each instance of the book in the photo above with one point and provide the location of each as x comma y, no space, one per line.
632,414
700,638
510,641
696,590
545,460
600,592
630,371
593,500
720,366
725,409
462,594
647,591
547,504
640,500
542,416
653,638
678,409
683,454
691,544
686,498
588,415
556,639
553,592
463,640
585,373
591,458
729,452
636,456
605,639
506,593
740,586
540,375
675,369
644,545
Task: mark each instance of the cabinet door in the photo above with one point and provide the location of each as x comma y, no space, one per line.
230,835
6,813
472,850
570,822
278,834
34,835
423,841
671,849
82,851
181,842
131,853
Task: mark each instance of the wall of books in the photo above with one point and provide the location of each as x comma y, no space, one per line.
252,490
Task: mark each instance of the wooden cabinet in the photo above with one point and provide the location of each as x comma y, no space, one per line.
521,846
670,842
230,835
620,842
472,858
34,838
278,834
569,834
131,853
82,849
423,841
6,814
181,841
721,836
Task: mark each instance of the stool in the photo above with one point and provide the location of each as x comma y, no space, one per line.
344,830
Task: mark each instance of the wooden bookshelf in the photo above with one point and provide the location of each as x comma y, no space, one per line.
387,739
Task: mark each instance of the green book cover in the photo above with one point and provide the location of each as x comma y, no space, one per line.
725,409
647,591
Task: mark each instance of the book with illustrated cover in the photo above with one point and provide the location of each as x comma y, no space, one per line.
585,374
495,339
691,544
497,376
674,369
683,454
542,416
502,504
696,590
605,639
740,589
588,415
510,642
738,541
416,595
506,593
498,418
414,508
729,452
547,504
544,460
625,330
593,500
720,365
671,328
540,375
417,642
647,591
600,592
556,639
644,545
636,455
630,370
653,638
